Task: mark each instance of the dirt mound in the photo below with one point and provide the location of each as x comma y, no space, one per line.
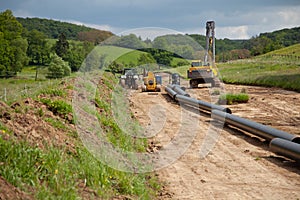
8,191
31,121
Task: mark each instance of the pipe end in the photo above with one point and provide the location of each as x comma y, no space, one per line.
228,110
296,140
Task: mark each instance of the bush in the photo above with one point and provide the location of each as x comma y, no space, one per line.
233,98
58,68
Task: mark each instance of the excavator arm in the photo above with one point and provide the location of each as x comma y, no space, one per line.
210,42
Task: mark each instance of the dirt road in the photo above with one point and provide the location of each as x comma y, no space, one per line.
239,165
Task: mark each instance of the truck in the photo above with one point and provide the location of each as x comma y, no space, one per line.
129,78
174,79
205,72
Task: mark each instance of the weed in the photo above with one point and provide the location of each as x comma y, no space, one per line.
57,123
244,91
40,112
59,107
216,92
54,92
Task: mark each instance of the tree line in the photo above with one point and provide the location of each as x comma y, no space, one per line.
226,49
20,47
28,41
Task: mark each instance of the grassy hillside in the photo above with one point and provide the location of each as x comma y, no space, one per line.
42,154
280,68
293,50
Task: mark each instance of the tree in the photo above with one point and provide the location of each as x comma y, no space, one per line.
116,67
160,43
131,41
61,46
38,49
77,53
58,68
94,36
162,57
13,47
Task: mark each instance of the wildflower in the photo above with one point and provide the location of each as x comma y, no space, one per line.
56,171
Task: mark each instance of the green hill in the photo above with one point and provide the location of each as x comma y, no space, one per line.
293,50
280,68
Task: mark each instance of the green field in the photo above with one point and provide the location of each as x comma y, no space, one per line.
127,56
279,68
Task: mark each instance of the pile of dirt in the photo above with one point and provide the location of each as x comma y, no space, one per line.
8,191
28,122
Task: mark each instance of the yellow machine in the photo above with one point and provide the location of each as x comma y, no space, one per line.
152,83
205,72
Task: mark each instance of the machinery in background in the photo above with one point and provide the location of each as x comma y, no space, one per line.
174,79
152,83
205,72
129,79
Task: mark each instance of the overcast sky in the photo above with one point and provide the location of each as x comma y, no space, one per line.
235,19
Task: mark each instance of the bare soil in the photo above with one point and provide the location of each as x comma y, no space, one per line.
239,165
8,191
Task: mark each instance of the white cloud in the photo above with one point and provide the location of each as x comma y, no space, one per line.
290,16
232,32
149,32
104,27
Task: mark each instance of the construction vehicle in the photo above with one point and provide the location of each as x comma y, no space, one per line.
129,79
174,79
152,82
205,72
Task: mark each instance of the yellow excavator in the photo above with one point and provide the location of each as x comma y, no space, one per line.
205,72
152,83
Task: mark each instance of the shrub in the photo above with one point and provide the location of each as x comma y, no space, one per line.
58,106
58,68
233,98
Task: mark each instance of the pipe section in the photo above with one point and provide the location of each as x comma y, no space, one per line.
170,92
285,148
255,128
179,90
201,104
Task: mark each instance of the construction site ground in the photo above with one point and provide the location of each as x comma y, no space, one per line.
239,165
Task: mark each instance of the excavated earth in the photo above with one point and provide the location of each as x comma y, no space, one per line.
234,164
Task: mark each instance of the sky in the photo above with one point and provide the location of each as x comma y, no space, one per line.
235,19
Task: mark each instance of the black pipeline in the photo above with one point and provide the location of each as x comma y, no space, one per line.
171,92
201,104
179,90
255,128
285,148
194,102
